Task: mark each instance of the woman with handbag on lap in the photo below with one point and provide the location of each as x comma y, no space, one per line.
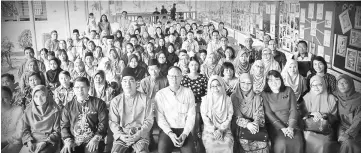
280,108
249,131
319,114
349,107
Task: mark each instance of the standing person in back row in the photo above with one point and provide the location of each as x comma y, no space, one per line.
163,10
172,12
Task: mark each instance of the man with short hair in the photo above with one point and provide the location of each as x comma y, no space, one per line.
222,31
252,52
84,121
221,50
214,44
77,42
52,44
130,117
175,114
172,12
201,42
163,10
124,22
303,58
151,84
190,45
137,47
279,56
29,54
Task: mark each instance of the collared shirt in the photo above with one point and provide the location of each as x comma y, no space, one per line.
151,86
52,45
82,121
190,46
175,109
134,114
63,95
213,46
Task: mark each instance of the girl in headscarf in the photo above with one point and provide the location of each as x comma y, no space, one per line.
321,105
31,66
269,62
228,76
41,132
35,78
110,74
137,69
241,63
66,64
249,114
11,123
211,67
64,93
217,111
258,76
172,57
349,110
79,70
117,63
52,75
294,79
163,64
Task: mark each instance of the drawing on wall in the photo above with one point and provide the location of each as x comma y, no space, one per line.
351,59
313,28
341,45
358,66
320,51
302,31
326,38
319,15
358,17
303,15
312,48
297,11
328,19
268,9
311,8
355,38
345,21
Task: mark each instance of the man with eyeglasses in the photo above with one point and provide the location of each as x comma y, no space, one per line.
175,114
84,121
130,117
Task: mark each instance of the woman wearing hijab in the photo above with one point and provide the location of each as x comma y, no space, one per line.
322,106
216,112
258,76
294,79
172,57
52,75
79,70
211,67
117,63
163,64
241,63
281,110
105,65
135,66
41,132
248,114
269,62
34,79
31,66
349,110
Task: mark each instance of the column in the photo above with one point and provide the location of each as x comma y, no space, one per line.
33,29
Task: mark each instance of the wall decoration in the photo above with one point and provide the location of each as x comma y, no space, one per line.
345,21
320,51
319,14
268,9
273,19
328,19
302,31
297,11
303,15
355,38
326,38
311,9
341,45
313,28
351,59
358,17
358,65
273,9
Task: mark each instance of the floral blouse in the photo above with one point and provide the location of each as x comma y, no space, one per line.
198,86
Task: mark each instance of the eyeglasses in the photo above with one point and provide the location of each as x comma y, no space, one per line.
216,86
174,76
316,85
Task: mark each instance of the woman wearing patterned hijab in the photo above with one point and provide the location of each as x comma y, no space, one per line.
269,62
241,63
258,76
294,79
216,112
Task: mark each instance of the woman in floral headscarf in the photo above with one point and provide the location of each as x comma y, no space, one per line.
31,66
241,63
258,76
294,79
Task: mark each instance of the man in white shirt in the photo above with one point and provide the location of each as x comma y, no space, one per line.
214,44
190,45
175,114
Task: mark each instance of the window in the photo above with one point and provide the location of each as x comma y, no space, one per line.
19,10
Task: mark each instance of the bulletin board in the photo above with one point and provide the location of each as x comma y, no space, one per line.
347,35
316,27
288,33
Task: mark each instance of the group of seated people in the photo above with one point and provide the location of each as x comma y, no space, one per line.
111,94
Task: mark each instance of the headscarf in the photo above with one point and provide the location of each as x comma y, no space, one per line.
53,75
259,81
287,78
351,97
45,110
242,67
109,73
270,64
138,70
216,103
320,102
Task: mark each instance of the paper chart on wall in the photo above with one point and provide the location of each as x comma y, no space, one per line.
345,21
302,31
341,45
311,7
358,17
327,37
328,19
319,15
358,66
313,28
351,59
297,11
268,9
355,38
273,9
320,51
303,15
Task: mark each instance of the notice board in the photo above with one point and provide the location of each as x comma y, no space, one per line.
347,35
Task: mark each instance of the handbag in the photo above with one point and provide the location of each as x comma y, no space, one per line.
261,135
321,126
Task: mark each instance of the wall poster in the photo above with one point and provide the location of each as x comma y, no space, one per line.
358,66
319,15
358,17
351,60
341,45
345,21
328,19
355,38
311,10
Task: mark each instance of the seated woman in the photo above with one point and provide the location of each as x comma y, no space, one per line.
280,108
228,76
163,64
229,54
116,62
101,89
31,67
98,55
322,106
248,114
149,53
172,57
34,79
210,66
269,62
319,67
64,93
52,75
183,62
79,70
294,79
349,110
241,63
258,76
66,64
41,132
217,111
11,123
135,66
